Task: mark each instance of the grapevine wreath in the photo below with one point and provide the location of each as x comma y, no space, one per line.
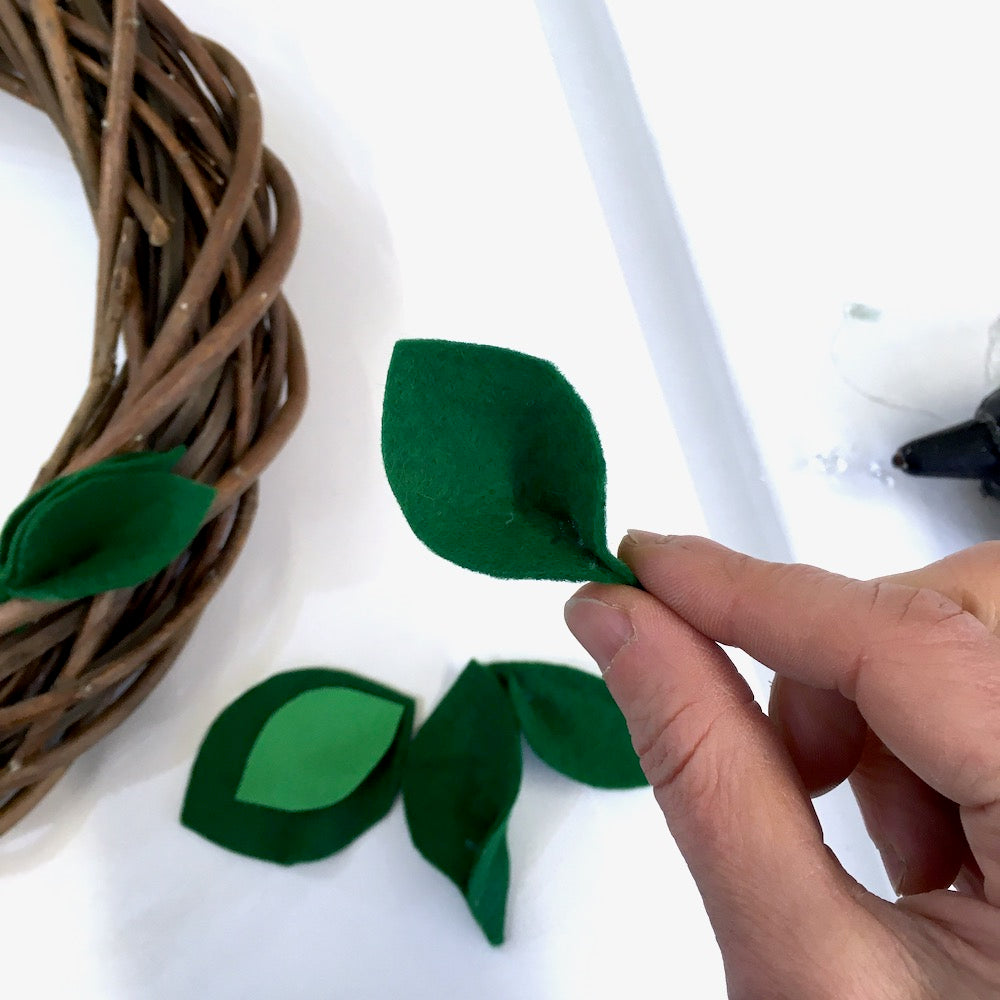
198,375
197,379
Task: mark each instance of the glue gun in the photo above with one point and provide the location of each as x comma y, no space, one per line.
970,450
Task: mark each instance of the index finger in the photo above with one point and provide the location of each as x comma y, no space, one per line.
923,672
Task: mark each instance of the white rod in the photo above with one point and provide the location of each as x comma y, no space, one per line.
666,293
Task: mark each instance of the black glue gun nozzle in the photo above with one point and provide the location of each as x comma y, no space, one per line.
965,451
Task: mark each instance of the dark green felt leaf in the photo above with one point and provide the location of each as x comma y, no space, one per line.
317,748
212,809
462,776
164,461
486,893
113,525
496,463
572,723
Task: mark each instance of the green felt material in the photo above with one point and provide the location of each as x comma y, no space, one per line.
572,723
496,463
212,809
317,748
486,892
462,776
113,525
164,461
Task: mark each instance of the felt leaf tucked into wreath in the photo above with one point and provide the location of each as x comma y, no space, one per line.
299,766
140,460
496,463
112,525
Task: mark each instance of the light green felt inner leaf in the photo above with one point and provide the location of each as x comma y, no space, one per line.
318,748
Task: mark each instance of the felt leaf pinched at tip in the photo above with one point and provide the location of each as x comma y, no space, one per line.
286,774
113,525
496,463
462,776
572,723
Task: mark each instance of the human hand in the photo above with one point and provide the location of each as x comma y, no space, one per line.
892,683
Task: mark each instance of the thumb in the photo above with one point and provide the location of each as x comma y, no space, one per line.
731,796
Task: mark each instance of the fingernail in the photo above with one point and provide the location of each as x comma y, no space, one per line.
895,867
602,629
639,537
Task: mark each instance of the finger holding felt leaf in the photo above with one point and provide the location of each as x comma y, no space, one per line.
823,732
916,829
730,794
921,670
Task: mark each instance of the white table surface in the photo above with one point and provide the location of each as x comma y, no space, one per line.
459,180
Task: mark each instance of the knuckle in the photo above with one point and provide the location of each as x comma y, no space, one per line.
907,621
983,823
681,760
734,566
981,607
922,609
734,570
976,772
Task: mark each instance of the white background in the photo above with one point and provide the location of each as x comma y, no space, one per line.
483,172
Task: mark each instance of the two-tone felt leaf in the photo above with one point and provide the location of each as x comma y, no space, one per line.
462,776
572,723
115,524
496,463
299,766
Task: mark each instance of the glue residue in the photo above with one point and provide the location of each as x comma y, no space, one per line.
849,463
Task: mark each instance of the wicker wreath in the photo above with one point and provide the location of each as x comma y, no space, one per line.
194,344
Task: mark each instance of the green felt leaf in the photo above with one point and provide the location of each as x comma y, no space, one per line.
113,525
317,748
572,723
165,461
462,776
486,893
212,808
496,463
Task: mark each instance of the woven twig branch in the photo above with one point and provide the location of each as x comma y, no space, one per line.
197,223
